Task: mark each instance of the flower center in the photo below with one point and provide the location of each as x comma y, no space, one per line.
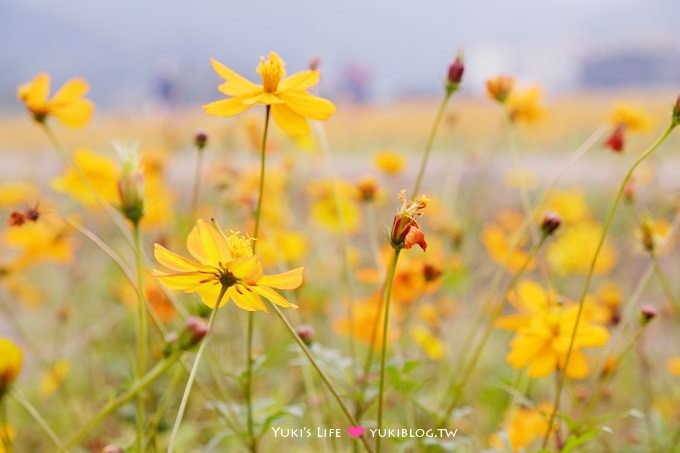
272,70
239,246
227,279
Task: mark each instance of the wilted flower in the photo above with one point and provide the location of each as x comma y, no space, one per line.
68,104
291,104
223,262
499,88
405,231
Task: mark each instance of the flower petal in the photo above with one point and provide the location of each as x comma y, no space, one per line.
308,105
35,92
72,90
285,280
227,107
207,245
235,85
299,81
543,363
174,261
273,296
74,114
244,268
186,281
246,299
209,293
578,366
292,123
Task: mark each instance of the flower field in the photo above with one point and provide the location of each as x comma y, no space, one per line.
276,269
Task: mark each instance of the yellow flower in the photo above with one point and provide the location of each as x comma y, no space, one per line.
53,377
16,193
154,295
68,104
530,299
525,106
674,366
46,240
6,432
431,345
389,161
324,209
572,250
99,171
365,312
569,204
499,88
223,262
630,117
11,360
498,239
291,103
541,346
523,426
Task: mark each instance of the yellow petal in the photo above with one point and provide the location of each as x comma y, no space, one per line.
246,299
226,107
207,245
291,122
174,261
285,280
186,281
72,90
543,363
235,84
209,293
35,92
273,296
511,322
263,99
308,105
300,81
244,268
74,114
591,335
578,367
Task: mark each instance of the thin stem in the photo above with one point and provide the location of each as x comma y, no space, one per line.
665,283
457,387
142,335
156,418
430,142
197,180
115,404
33,412
584,293
389,283
192,374
352,421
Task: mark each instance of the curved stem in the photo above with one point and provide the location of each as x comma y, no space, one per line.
33,412
430,142
192,374
142,335
326,380
389,283
153,374
610,216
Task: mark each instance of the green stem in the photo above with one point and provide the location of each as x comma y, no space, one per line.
457,386
389,283
33,412
142,335
115,404
430,142
156,418
326,380
197,180
665,283
194,370
584,293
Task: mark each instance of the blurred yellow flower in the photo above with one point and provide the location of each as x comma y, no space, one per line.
632,118
521,178
673,366
53,377
522,427
530,299
497,238
157,299
68,104
570,204
46,240
525,106
6,432
11,361
324,208
541,346
430,344
16,193
101,176
572,250
282,246
223,262
291,103
389,161
365,312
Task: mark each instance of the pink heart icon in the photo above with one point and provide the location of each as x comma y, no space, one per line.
356,431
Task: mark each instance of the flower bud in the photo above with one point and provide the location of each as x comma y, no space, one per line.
195,329
200,140
367,188
131,187
551,222
314,63
676,112
499,88
306,334
647,313
11,361
455,74
647,234
615,142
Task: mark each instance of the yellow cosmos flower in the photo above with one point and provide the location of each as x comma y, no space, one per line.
46,240
223,262
430,344
389,162
631,117
523,426
53,377
573,248
16,193
674,366
11,360
525,106
324,209
68,104
570,204
291,103
530,299
542,345
498,239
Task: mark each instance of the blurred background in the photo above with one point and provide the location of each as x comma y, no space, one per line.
144,54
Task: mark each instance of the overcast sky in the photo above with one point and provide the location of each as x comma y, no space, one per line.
120,45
